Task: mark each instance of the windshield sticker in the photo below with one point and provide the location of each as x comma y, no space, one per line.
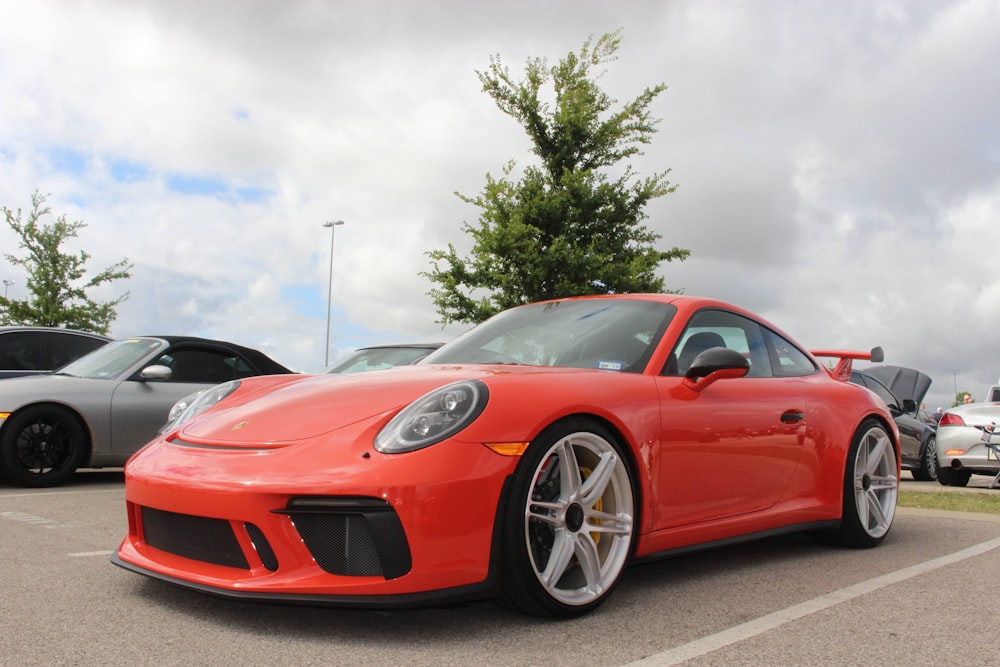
610,365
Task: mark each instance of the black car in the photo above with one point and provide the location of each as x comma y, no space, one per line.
902,389
40,350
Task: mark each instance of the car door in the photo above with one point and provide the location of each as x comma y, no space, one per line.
733,447
140,407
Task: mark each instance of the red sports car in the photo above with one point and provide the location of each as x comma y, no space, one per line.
531,459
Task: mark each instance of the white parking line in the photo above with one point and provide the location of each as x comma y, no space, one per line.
705,645
86,554
35,494
34,520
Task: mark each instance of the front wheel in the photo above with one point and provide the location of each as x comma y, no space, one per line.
42,446
871,487
568,536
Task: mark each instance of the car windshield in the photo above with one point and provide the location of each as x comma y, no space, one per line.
608,334
377,358
112,359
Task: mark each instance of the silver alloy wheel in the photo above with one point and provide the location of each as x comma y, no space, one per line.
578,520
876,482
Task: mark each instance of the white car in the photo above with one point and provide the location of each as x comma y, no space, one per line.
968,441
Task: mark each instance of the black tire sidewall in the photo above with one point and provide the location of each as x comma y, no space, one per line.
13,468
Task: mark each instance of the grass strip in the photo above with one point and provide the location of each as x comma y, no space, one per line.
955,502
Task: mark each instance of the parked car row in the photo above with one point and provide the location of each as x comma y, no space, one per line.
99,400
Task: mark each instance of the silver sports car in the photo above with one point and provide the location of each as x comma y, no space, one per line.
101,408
968,442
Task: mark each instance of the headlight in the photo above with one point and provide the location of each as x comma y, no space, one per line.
433,417
194,404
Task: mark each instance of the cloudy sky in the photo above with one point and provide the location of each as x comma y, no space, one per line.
838,163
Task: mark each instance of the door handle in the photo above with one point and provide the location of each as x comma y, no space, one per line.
792,416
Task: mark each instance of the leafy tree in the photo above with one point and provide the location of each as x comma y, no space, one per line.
566,227
960,398
56,279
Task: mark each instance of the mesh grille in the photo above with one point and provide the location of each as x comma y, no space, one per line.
196,537
341,543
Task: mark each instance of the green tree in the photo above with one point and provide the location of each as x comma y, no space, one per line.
566,227
55,279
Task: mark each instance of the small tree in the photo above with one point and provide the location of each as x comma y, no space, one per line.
56,279
566,228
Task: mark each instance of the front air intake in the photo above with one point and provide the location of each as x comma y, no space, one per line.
352,537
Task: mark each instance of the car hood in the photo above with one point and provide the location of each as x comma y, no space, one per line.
311,406
905,383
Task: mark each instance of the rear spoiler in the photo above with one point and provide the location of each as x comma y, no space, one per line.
842,371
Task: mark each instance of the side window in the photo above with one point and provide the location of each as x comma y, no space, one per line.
201,366
21,351
720,328
786,359
66,347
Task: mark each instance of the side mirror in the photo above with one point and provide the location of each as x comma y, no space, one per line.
909,405
155,372
716,363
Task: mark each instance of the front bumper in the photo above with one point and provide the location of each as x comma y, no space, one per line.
369,530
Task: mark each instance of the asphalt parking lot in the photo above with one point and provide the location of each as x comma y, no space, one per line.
925,597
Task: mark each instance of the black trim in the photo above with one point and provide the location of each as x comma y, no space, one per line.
739,539
467,593
387,533
261,546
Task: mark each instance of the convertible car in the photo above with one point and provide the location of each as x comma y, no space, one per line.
969,441
531,460
98,410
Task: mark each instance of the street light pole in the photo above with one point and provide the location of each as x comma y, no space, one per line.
329,284
6,284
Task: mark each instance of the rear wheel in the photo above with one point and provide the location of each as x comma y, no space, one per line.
952,477
927,472
42,446
871,487
568,536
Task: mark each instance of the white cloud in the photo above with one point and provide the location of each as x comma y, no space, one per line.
838,163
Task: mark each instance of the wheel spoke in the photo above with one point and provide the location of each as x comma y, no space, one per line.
875,518
569,471
611,524
551,513
559,559
590,563
874,459
597,483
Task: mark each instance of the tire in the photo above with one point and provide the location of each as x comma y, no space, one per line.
871,487
952,477
42,446
927,472
570,530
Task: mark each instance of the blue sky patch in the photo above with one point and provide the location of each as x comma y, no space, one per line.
68,160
